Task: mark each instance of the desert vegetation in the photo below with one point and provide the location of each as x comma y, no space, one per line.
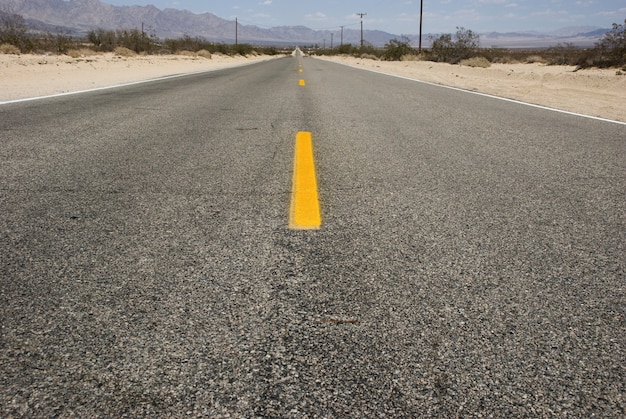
461,48
464,48
16,38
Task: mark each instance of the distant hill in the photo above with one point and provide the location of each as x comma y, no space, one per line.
80,16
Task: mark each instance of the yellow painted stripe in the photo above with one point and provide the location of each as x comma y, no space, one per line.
304,213
301,82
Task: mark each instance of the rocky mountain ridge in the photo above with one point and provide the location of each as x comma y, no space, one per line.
80,16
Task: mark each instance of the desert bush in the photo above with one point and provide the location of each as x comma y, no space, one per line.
242,49
481,62
369,51
9,49
74,53
124,52
345,49
563,54
531,59
497,55
395,49
465,44
611,49
13,31
369,56
103,40
204,54
414,57
135,40
186,43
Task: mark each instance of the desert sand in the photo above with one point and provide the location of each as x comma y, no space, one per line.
596,92
26,76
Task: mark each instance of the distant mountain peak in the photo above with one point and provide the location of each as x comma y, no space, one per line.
81,16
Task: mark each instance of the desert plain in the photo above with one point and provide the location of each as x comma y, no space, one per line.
594,92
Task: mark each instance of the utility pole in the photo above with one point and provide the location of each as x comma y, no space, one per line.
236,32
342,35
331,40
361,14
421,12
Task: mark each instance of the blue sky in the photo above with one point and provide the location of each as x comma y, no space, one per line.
402,16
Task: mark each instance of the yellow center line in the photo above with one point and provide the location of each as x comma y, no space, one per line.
301,82
304,213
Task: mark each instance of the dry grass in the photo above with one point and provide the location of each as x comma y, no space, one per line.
481,62
535,59
186,53
81,52
9,49
204,54
413,57
124,52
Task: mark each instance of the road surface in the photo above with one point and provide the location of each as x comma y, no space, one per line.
469,261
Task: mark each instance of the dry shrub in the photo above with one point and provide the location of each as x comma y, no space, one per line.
186,53
124,52
481,62
413,57
535,59
369,57
9,49
505,59
74,53
204,54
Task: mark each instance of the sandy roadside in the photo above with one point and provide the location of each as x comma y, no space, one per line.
27,76
596,92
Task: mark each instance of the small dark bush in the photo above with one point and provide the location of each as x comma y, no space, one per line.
465,44
396,49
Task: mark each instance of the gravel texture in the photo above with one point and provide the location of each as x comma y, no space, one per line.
470,262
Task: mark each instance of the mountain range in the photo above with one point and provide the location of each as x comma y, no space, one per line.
77,17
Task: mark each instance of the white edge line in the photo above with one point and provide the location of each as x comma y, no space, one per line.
95,89
597,118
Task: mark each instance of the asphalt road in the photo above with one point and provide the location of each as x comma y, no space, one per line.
470,262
